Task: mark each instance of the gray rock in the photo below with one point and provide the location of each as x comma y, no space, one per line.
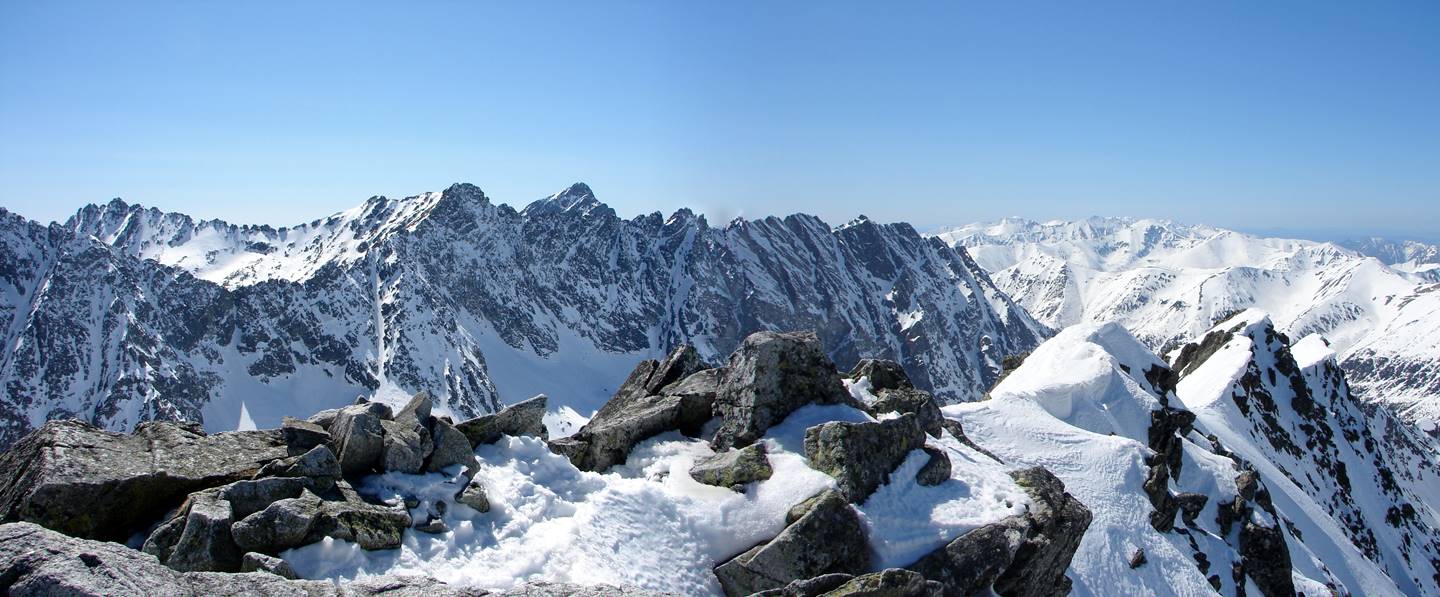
324,418
633,415
824,536
433,525
473,495
936,470
451,448
280,526
883,374
973,561
810,587
318,467
371,526
521,418
359,438
1025,554
908,400
418,408
861,456
203,541
407,445
302,436
770,376
546,589
734,468
259,562
892,582
1056,522
37,562
85,482
1190,506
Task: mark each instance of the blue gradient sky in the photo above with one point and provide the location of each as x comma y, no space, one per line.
1276,115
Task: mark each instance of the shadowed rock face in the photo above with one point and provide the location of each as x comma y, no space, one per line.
1026,554
824,536
770,376
85,482
659,396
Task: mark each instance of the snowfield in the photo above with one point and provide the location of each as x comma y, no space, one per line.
646,523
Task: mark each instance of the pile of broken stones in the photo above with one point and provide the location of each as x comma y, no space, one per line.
210,513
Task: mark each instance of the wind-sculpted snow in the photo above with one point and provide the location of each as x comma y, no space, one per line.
1169,282
124,314
1346,487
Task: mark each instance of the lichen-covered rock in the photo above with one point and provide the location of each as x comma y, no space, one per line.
407,445
971,563
318,467
633,414
281,525
770,376
38,562
891,582
451,447
824,536
473,495
810,587
522,418
936,470
734,468
883,374
79,480
259,562
909,400
1055,523
359,438
198,537
302,436
861,456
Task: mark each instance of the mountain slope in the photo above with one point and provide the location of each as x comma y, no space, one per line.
1225,478
1169,282
469,300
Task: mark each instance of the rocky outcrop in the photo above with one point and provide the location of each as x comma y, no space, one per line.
892,582
770,376
883,375
198,538
524,418
301,436
936,470
359,436
735,468
37,562
79,480
1167,426
917,402
1264,556
659,396
259,562
861,456
824,536
1025,554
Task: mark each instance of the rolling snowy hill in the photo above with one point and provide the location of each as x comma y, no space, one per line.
1169,283
124,314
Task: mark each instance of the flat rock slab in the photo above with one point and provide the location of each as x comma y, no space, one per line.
86,482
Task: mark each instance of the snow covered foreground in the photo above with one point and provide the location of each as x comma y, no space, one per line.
646,523
1331,480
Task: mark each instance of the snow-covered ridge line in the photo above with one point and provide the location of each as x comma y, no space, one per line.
1169,283
125,314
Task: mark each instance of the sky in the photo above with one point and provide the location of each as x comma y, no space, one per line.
1305,116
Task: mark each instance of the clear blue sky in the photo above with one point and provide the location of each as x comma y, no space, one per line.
1291,115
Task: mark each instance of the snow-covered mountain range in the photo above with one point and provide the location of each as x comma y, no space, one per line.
1169,283
123,314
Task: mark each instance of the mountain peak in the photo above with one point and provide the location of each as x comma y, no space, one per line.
577,197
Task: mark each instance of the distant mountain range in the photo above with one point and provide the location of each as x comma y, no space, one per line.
1377,304
124,314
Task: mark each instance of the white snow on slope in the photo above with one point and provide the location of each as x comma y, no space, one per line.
646,523
1168,283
